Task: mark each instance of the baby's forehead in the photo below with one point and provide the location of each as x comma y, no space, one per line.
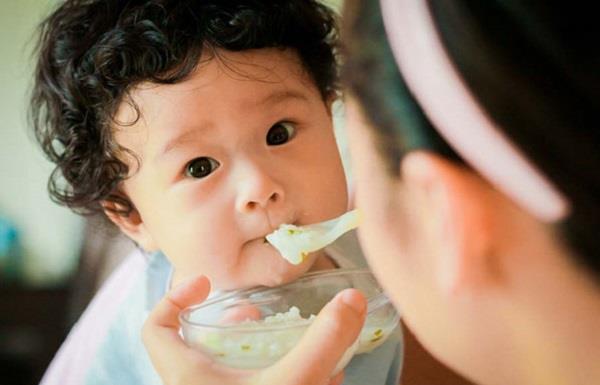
245,84
253,78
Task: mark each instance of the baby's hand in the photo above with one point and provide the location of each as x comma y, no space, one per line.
311,362
241,314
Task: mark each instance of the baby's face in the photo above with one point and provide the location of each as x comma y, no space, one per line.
225,158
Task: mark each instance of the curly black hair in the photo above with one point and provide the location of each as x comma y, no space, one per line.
90,53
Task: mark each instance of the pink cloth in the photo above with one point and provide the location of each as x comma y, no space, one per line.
448,103
76,355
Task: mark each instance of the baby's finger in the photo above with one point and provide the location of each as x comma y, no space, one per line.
190,292
336,327
240,314
161,330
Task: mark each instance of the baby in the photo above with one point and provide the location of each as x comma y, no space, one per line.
198,128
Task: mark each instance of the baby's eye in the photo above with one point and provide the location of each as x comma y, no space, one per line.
201,167
280,133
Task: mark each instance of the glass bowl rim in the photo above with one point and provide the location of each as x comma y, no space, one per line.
374,303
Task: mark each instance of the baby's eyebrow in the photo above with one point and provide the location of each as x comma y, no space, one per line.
281,96
272,98
176,141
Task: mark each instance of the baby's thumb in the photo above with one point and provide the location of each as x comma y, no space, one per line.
160,333
334,330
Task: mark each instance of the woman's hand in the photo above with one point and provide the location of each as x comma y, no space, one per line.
311,362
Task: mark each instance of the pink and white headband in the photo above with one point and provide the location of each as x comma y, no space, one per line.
447,102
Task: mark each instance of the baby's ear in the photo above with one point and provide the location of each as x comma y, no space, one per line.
131,224
462,207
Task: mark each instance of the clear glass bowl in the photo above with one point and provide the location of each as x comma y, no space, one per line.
253,328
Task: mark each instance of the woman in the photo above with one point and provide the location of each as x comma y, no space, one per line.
474,146
475,165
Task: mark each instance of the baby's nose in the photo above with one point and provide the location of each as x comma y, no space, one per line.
259,202
258,190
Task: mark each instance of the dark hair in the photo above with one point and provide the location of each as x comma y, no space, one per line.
533,68
370,72
91,52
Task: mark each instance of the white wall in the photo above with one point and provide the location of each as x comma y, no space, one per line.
51,234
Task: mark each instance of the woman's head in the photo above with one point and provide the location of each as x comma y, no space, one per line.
442,219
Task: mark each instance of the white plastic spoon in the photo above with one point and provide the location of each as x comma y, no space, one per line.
294,243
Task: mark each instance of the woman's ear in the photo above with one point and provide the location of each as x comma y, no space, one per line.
329,100
461,205
130,224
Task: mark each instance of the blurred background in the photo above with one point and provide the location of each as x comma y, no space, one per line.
51,260
49,268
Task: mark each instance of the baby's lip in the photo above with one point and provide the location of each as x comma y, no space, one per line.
292,222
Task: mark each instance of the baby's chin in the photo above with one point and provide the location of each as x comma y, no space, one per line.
268,278
262,265
280,272
285,275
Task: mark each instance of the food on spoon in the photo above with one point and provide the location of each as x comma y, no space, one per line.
294,243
